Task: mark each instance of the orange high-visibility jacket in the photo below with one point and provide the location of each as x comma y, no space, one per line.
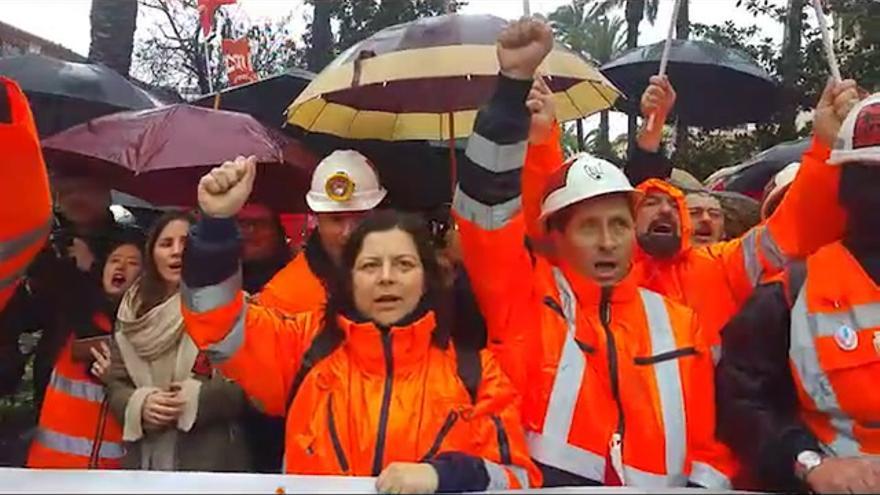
72,420
26,211
834,352
294,289
380,396
629,366
716,280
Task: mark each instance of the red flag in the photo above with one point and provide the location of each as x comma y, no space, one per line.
206,13
237,54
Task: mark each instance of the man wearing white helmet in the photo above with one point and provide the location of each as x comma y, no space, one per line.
345,186
597,360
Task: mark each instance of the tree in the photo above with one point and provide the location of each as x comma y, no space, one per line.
791,49
321,50
682,32
174,55
113,24
595,34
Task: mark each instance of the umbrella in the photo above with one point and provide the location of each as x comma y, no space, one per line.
751,176
160,154
265,100
404,82
63,94
716,86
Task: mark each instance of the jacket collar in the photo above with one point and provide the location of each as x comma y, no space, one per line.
406,343
589,293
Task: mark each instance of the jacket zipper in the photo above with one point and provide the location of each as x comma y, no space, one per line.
605,317
334,437
379,455
451,418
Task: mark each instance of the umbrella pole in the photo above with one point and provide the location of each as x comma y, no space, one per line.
217,101
452,161
664,59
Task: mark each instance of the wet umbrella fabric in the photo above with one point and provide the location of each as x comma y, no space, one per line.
751,176
160,154
716,86
63,94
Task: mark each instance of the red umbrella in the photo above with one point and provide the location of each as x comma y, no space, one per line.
160,154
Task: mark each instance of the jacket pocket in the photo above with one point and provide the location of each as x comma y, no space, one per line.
334,437
665,356
448,423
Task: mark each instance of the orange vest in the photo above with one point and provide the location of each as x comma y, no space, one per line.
74,415
379,397
835,352
26,213
294,289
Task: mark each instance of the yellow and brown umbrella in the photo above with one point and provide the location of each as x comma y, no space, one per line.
426,79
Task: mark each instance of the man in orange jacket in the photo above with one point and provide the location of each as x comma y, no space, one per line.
713,280
797,384
345,187
25,217
616,380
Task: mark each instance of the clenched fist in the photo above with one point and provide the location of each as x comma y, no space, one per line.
837,100
225,189
542,105
522,46
658,98
408,477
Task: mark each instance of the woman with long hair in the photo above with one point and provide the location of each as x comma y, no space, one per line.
371,385
177,412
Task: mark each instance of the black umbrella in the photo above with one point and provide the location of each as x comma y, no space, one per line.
265,100
716,86
751,176
63,94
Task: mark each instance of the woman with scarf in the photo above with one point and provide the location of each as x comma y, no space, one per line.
177,412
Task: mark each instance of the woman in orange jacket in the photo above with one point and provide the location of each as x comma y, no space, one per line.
371,385
26,214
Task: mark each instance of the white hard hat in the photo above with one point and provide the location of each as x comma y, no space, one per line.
345,181
859,137
778,185
582,177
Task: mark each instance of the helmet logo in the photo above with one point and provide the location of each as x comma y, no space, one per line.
866,132
593,170
339,187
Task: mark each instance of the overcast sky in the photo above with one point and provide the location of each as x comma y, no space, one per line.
67,21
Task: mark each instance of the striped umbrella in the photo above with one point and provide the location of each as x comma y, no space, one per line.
426,79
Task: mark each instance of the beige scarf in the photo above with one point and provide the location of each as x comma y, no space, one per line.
156,352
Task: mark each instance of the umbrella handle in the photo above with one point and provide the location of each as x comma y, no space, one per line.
664,59
826,40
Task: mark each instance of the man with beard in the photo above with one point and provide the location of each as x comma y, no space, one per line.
707,217
797,385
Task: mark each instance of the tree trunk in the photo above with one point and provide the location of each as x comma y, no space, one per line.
579,127
321,51
604,147
635,9
791,46
682,32
113,23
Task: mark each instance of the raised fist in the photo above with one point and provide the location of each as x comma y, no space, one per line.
225,189
658,98
522,46
837,100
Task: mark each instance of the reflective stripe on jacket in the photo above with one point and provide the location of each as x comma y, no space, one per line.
379,397
835,352
70,420
590,369
24,188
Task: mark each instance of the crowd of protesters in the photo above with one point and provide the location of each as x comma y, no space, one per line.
564,323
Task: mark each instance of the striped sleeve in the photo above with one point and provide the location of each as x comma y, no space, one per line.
489,190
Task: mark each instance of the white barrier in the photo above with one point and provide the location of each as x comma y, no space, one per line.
73,481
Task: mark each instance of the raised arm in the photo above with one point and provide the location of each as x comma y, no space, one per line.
256,347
